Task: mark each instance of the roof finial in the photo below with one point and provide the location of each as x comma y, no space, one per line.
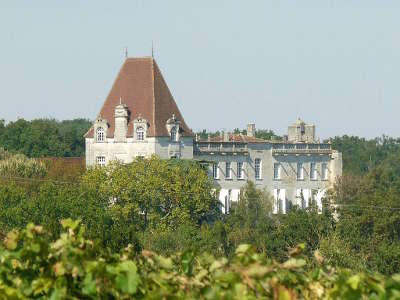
152,50
126,52
120,100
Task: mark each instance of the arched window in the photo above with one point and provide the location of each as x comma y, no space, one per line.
173,134
100,134
140,133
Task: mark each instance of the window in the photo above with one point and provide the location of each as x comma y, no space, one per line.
101,160
140,133
313,171
257,168
173,134
100,134
228,202
228,173
240,171
324,171
300,171
314,194
215,171
277,171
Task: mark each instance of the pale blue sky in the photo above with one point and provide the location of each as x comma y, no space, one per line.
334,63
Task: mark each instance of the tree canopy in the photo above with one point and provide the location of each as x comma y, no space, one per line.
45,137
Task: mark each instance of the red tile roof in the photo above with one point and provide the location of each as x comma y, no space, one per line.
144,91
238,138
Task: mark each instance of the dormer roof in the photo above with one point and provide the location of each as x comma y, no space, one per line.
145,93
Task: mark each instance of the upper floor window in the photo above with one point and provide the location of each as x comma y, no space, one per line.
324,171
313,171
300,171
277,171
173,133
215,170
100,134
240,171
257,168
101,160
140,133
228,171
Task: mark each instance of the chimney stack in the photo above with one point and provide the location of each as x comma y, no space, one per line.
226,137
251,130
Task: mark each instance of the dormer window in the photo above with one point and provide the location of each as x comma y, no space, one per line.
173,134
100,134
140,133
140,127
173,127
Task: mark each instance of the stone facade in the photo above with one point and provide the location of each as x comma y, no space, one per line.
140,118
293,172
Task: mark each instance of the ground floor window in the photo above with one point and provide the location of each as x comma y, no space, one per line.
101,160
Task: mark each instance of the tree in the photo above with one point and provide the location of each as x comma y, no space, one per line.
157,193
45,137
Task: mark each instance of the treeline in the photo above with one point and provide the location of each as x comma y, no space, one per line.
170,206
45,137
361,155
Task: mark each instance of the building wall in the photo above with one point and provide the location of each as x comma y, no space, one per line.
127,151
288,181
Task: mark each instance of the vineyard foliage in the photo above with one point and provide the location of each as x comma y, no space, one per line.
72,267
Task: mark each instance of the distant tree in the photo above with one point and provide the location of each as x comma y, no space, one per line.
45,137
361,155
266,134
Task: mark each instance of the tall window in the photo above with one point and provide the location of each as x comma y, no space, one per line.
314,196
215,171
277,171
173,134
101,160
240,171
228,173
313,171
257,168
140,133
100,134
300,171
324,171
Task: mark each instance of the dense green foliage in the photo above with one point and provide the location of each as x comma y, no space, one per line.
170,206
71,267
361,155
45,137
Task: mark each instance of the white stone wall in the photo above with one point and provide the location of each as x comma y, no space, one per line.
288,184
129,150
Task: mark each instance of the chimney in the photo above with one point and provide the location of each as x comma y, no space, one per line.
251,130
121,122
226,136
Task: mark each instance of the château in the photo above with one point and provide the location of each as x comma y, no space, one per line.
140,118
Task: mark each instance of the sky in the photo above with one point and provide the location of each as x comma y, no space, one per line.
227,63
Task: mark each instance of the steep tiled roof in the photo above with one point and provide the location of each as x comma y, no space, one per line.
144,91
